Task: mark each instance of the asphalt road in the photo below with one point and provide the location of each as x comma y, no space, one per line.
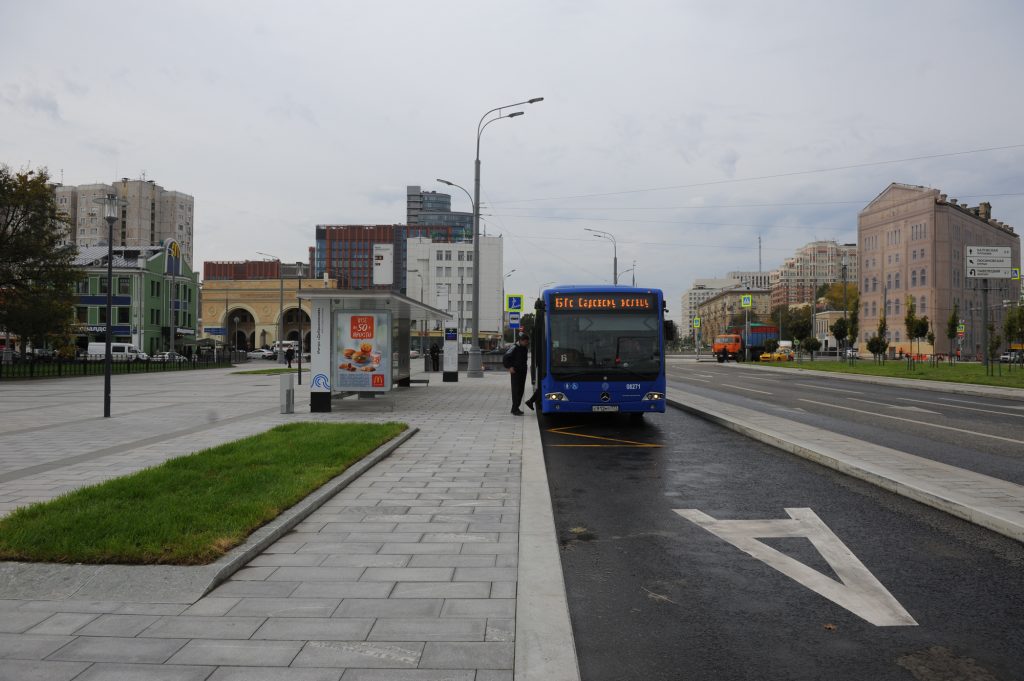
981,434
654,595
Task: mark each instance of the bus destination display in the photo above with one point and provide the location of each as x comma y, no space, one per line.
610,302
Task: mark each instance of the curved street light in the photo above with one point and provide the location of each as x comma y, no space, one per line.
475,366
615,252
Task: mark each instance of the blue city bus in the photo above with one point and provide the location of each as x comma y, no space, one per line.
599,349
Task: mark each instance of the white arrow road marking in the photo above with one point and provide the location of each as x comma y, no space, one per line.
859,591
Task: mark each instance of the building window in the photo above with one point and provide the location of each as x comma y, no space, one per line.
124,285
888,308
123,315
102,314
874,309
82,287
896,307
103,284
447,255
924,277
888,281
462,255
913,279
440,256
874,283
440,271
448,271
923,305
82,315
469,257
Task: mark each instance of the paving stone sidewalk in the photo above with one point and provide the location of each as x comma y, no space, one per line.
410,573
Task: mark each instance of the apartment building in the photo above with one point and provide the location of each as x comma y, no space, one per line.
151,217
813,265
700,291
913,243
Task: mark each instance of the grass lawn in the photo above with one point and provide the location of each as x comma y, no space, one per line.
961,372
270,372
193,509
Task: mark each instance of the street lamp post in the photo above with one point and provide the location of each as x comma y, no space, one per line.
615,252
421,322
280,320
234,339
110,204
475,366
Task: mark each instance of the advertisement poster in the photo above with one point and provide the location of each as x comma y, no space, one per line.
362,352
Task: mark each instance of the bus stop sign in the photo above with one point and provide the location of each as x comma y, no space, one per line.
513,320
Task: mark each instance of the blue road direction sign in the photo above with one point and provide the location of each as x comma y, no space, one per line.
514,302
215,331
513,320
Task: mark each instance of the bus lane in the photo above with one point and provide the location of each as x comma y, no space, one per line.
689,551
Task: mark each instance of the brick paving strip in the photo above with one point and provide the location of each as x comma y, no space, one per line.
408,573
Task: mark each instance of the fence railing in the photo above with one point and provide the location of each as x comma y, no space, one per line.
94,366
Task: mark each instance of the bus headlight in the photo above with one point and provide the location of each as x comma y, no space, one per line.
654,396
556,397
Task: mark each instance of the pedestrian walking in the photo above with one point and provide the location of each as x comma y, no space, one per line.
435,356
515,361
289,355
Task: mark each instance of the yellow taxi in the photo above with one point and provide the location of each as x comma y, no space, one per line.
781,355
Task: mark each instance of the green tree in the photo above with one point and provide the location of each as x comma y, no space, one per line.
526,323
37,272
910,321
811,345
835,295
878,344
951,328
771,345
921,330
839,330
799,323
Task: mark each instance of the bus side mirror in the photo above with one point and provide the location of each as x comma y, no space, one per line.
669,330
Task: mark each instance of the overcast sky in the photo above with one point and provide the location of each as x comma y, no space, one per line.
685,129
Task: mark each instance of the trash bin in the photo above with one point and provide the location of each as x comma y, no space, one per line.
287,393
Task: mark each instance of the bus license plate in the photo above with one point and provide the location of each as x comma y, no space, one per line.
605,407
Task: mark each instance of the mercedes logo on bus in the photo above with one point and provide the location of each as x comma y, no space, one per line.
605,397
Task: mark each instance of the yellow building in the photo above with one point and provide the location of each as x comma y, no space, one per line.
246,313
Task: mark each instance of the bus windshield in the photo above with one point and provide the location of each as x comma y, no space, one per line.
602,344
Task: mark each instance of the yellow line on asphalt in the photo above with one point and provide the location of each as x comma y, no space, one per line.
562,431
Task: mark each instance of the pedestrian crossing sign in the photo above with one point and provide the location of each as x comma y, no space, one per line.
746,300
696,322
1015,273
514,302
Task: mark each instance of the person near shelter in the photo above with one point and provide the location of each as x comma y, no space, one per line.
289,355
435,356
515,361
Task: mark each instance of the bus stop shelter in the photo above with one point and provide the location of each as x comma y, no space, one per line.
360,341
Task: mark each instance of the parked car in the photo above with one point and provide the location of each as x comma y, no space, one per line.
171,356
780,355
413,354
142,357
851,353
260,353
1010,356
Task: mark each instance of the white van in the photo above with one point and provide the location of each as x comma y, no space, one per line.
119,352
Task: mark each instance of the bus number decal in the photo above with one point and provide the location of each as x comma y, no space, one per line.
632,386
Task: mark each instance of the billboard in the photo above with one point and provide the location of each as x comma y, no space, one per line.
362,351
383,264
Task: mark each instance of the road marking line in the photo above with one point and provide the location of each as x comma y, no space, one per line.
561,430
838,390
896,406
986,411
858,591
740,387
921,423
983,404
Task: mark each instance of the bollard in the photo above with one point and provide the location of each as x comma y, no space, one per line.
287,393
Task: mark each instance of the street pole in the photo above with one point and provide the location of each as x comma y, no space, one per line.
280,319
298,300
475,364
110,205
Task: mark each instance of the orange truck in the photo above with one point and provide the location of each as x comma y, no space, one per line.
729,345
